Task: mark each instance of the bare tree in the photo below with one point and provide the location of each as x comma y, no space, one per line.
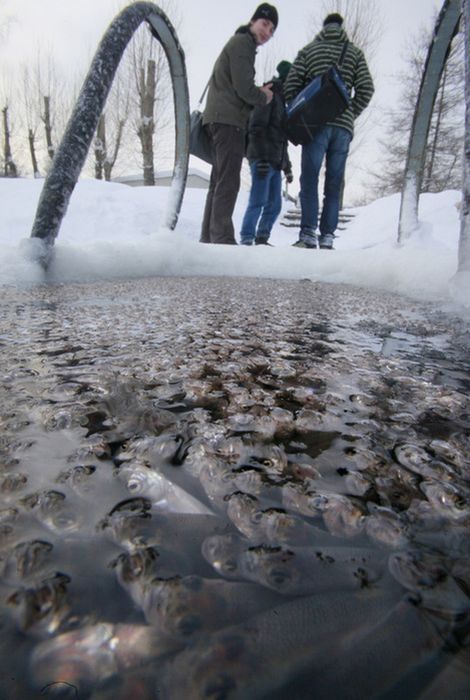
145,69
100,147
146,87
443,162
30,111
10,169
46,117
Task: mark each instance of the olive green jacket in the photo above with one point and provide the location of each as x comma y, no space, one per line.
232,90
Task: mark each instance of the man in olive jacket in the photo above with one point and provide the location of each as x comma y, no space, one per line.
231,96
332,140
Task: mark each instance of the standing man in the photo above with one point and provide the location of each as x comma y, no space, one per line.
332,140
231,97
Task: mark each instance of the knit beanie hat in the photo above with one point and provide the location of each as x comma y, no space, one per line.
266,11
334,18
282,69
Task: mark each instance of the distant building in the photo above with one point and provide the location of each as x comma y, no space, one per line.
196,178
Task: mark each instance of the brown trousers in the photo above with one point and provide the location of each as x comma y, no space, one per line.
228,149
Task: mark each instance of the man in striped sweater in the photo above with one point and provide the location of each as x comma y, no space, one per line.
332,140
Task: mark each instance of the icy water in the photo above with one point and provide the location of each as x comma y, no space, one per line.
221,488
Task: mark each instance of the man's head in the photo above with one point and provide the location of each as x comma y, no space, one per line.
266,11
334,18
264,22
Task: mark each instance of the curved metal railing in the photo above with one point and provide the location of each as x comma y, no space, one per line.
72,151
446,28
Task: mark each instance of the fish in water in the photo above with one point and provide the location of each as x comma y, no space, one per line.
92,654
428,575
273,526
183,607
250,660
449,501
27,559
222,553
385,527
143,481
307,570
40,609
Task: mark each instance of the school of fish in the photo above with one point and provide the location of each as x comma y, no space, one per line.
233,490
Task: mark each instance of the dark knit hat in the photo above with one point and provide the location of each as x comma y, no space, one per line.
266,11
283,69
334,18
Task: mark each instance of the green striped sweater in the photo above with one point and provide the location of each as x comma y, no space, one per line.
324,51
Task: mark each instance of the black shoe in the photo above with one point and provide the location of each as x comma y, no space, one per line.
246,243
264,243
326,247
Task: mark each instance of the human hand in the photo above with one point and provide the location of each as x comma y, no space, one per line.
289,177
262,168
266,89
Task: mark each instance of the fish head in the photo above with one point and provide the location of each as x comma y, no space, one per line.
125,519
182,606
222,552
27,558
243,511
342,517
448,500
273,567
42,607
279,526
137,565
416,570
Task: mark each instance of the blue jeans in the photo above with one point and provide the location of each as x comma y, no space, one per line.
332,143
264,205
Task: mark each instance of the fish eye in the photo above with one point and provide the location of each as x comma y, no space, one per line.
257,516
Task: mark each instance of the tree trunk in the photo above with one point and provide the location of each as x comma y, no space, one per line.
32,150
100,147
464,243
147,125
48,126
109,162
10,169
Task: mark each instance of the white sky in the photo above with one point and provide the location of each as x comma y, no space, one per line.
71,30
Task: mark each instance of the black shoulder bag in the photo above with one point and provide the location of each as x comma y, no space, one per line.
199,139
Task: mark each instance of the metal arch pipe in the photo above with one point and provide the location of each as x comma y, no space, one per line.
72,151
447,26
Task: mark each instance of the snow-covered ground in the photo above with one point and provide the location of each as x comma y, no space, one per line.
112,231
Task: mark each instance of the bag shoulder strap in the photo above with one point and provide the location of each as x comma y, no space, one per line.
343,53
201,99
